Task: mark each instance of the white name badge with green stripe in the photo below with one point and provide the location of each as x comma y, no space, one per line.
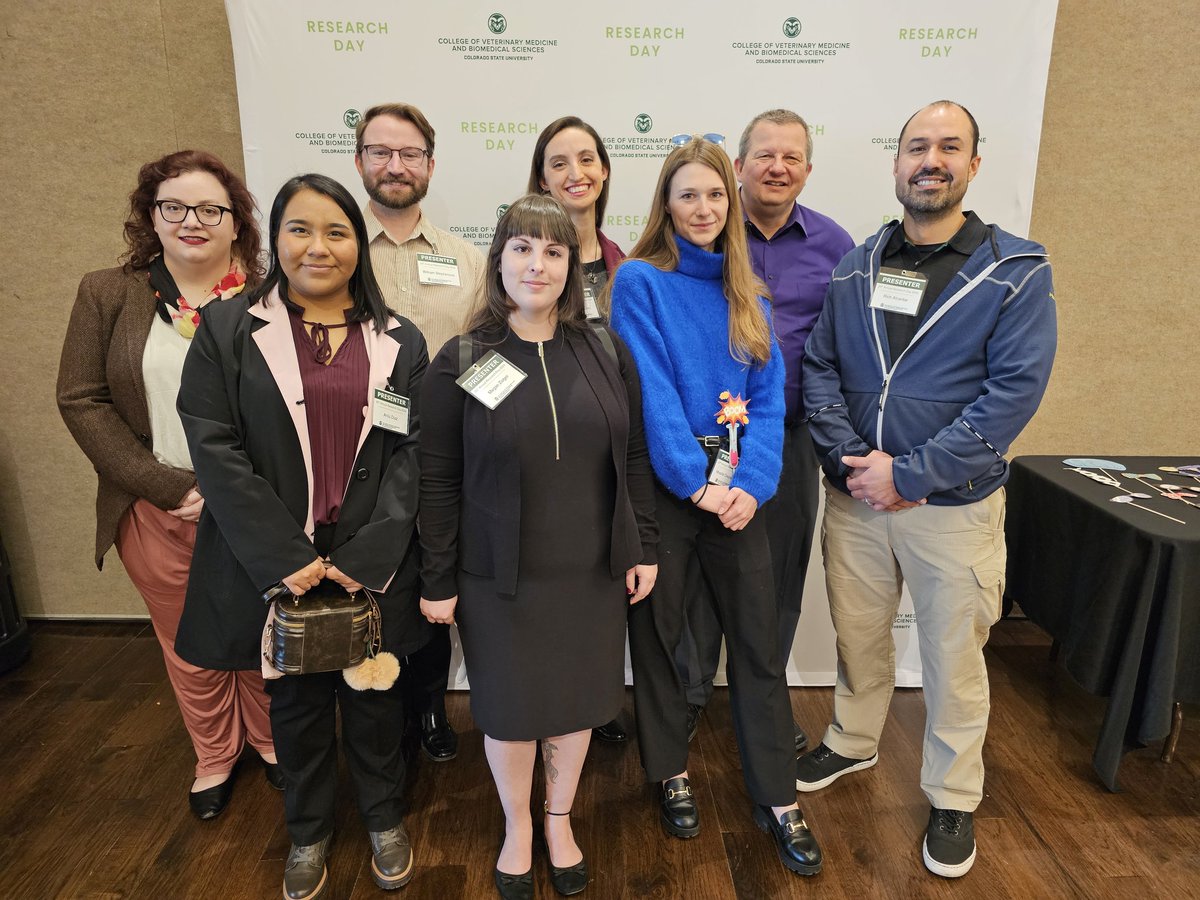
899,291
491,379
390,411
437,269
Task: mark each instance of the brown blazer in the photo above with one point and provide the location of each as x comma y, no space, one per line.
103,400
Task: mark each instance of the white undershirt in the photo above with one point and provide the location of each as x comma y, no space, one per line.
162,371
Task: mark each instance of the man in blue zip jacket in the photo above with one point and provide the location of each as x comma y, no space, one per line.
931,355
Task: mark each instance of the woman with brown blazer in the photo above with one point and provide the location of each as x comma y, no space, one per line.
192,241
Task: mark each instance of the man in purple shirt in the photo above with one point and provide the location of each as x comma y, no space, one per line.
794,250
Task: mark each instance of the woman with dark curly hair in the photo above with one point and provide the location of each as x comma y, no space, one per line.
192,241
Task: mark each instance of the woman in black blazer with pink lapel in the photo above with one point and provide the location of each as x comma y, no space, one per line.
301,486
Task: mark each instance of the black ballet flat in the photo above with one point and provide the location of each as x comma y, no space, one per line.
273,772
570,880
515,887
211,802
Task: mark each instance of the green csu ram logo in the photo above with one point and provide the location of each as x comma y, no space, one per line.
643,123
352,117
501,210
497,23
791,27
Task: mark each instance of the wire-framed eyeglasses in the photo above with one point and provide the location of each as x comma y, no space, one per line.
381,154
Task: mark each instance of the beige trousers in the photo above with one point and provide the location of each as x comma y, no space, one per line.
952,558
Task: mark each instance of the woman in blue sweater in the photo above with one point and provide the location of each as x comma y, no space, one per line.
689,307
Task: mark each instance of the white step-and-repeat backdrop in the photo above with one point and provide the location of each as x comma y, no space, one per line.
490,76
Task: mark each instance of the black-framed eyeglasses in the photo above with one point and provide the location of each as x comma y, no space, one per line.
680,139
381,154
206,213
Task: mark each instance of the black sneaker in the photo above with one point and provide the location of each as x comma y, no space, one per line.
949,848
822,767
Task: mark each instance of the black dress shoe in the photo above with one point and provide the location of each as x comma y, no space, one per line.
438,740
515,887
801,738
677,808
211,802
797,847
693,720
273,772
612,733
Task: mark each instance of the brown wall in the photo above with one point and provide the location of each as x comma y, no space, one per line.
93,90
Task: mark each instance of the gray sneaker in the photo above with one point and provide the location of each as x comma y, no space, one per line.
822,767
304,875
949,848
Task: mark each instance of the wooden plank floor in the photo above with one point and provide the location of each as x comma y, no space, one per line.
94,766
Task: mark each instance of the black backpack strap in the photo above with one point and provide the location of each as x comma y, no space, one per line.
465,348
606,339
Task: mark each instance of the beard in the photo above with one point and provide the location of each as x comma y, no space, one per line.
930,203
415,194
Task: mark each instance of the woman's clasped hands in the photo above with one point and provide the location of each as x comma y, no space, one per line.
304,580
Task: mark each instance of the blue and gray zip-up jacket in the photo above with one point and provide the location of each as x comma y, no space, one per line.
949,406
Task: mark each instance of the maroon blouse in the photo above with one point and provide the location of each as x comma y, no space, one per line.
334,402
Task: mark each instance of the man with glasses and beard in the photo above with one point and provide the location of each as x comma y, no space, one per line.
931,354
433,278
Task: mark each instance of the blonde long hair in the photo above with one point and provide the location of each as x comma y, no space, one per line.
750,336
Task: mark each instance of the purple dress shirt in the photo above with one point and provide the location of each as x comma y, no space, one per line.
796,265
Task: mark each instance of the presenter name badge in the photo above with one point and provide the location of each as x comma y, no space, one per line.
491,379
437,269
722,469
899,291
390,411
590,309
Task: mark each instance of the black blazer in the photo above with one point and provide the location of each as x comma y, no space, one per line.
471,480
243,414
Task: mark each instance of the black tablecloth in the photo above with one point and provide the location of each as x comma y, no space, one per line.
1116,586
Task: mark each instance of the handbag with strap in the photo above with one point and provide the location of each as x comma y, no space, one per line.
324,630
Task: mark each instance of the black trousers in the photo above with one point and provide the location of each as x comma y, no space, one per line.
791,518
736,567
304,724
424,673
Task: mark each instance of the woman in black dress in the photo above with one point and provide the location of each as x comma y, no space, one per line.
536,523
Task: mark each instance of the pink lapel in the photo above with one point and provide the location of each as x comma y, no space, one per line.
382,350
275,342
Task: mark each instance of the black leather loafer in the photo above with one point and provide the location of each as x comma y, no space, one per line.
612,733
677,808
211,802
438,740
570,880
273,772
391,858
797,847
515,887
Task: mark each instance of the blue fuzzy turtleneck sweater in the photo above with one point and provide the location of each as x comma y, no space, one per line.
676,324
